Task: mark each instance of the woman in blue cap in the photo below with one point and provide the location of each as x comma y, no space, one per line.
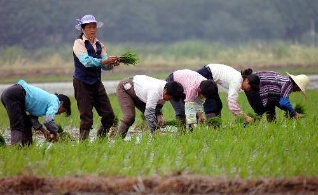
90,58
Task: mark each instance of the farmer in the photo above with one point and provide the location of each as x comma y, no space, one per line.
196,89
90,57
25,104
274,92
148,95
233,81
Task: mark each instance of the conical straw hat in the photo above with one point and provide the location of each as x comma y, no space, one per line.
302,81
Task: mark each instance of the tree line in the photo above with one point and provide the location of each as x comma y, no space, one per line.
37,23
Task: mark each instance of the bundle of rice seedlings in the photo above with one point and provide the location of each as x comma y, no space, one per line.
255,116
116,122
240,119
300,109
2,141
129,58
214,121
173,123
65,136
59,128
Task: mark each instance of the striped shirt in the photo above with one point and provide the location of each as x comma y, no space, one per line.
274,86
230,79
190,80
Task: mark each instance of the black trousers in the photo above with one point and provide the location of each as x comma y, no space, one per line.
13,99
255,101
89,97
211,105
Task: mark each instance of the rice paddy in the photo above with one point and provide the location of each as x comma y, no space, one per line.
284,148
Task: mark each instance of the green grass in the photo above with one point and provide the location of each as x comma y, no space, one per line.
281,149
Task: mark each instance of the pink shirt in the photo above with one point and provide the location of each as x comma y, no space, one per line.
190,80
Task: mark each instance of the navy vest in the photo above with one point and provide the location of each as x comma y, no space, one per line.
89,75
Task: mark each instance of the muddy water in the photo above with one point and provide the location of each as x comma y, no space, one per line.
110,86
133,132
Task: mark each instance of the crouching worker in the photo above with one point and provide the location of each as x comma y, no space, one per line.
233,81
274,91
25,103
196,88
148,95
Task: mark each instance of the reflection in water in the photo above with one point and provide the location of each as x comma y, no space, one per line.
132,134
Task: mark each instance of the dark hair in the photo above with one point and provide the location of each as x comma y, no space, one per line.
253,79
209,88
174,89
66,103
81,35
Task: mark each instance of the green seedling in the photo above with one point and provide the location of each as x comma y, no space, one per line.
129,58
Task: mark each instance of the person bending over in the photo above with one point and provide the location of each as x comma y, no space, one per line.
148,95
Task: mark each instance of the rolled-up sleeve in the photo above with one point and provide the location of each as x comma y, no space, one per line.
80,51
50,125
232,97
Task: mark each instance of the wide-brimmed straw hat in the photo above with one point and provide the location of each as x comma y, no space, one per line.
302,81
87,19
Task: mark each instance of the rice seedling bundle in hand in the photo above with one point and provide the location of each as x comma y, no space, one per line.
255,116
173,123
2,141
300,109
214,122
129,58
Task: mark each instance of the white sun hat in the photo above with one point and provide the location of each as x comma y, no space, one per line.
87,19
302,81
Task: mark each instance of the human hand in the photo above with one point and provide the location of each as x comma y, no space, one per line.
201,117
55,137
46,134
114,60
297,115
161,121
248,119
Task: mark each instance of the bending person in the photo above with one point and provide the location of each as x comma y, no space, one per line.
148,95
196,90
25,104
233,81
275,89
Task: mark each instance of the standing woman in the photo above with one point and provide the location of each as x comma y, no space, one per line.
274,92
90,57
233,81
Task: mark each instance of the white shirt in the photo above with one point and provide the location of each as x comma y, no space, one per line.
149,89
230,79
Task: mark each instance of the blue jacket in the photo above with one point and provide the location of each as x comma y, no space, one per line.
39,102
